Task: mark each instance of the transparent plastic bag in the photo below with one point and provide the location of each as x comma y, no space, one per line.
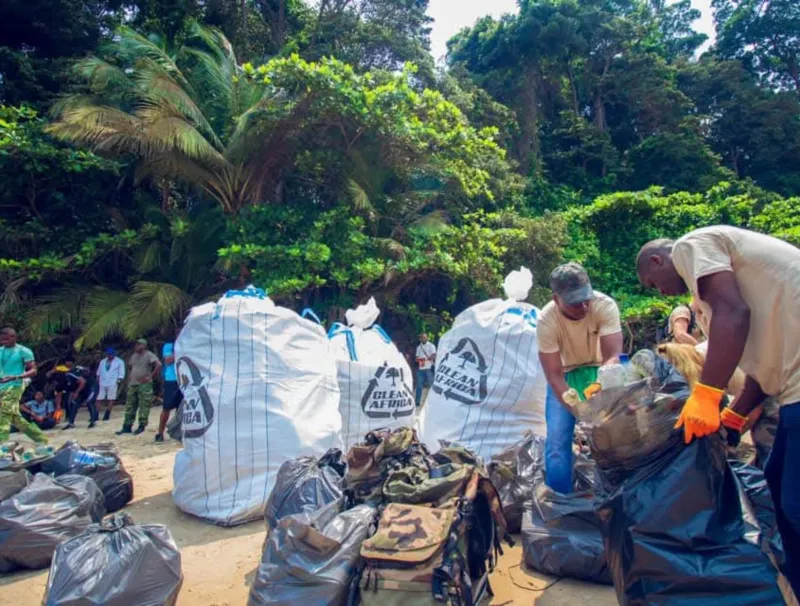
518,284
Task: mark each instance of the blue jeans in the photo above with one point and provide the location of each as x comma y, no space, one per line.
424,379
558,445
783,478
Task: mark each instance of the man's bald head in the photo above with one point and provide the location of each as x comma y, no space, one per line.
8,337
656,270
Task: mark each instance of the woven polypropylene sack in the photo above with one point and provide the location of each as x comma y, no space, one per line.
259,387
489,386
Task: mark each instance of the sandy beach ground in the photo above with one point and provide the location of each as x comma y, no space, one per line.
219,563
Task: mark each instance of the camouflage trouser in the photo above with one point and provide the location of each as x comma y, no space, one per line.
140,396
10,415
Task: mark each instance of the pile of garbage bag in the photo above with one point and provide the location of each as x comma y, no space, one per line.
15,457
44,512
100,462
489,386
116,563
671,509
312,557
561,535
305,485
259,388
375,382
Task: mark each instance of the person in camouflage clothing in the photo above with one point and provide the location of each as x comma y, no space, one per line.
17,366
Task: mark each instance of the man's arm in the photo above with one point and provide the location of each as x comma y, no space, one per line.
611,347
554,372
30,370
730,326
121,371
680,332
156,369
751,397
24,408
81,385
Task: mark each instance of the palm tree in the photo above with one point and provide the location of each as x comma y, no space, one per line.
189,114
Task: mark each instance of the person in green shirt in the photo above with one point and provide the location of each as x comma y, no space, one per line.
17,366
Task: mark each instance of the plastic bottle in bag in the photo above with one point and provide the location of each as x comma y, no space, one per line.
611,375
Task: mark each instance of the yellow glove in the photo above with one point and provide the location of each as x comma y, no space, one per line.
700,414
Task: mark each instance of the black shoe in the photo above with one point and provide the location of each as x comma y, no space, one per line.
159,437
139,429
107,415
125,429
68,426
92,424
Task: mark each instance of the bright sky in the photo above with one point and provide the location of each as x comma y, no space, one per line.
450,16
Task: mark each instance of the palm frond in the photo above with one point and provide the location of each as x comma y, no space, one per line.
103,316
153,305
360,199
136,47
160,91
101,127
148,257
102,76
55,312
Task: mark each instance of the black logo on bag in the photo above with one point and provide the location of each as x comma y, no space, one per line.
388,395
197,410
461,374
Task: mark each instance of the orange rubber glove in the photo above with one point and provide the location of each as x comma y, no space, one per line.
732,420
592,390
700,414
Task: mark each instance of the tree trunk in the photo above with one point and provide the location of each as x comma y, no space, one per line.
244,18
528,149
574,88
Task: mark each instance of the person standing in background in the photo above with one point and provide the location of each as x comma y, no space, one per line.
172,393
110,374
683,326
143,369
17,367
426,358
578,332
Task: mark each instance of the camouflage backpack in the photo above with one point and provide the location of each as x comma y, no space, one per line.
437,539
383,451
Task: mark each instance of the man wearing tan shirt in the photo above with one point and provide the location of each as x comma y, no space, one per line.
747,285
578,331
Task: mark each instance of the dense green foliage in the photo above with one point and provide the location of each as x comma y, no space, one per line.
156,153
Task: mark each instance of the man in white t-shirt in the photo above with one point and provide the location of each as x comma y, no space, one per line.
426,358
747,285
110,373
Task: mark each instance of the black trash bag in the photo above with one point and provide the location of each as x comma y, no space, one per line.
514,472
561,536
11,482
116,563
42,515
674,533
305,485
584,471
100,462
175,424
672,521
758,509
312,558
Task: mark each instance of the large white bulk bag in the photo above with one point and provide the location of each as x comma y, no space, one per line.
259,387
376,384
489,387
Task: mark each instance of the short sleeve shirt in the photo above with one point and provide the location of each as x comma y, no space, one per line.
141,367
578,341
12,363
169,369
767,272
43,409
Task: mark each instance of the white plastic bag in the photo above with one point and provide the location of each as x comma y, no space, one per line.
260,389
489,386
376,384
